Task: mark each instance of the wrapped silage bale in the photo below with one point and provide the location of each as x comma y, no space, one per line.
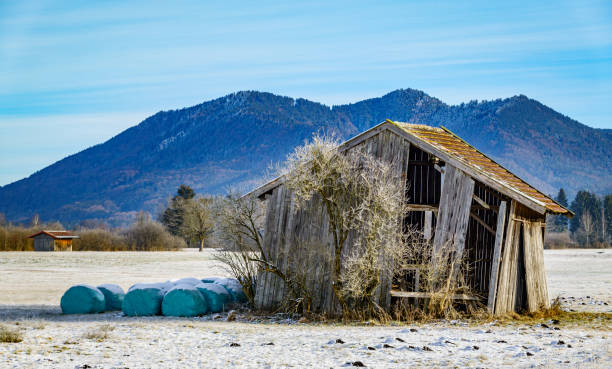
82,299
234,288
188,281
184,300
216,296
145,299
212,279
113,296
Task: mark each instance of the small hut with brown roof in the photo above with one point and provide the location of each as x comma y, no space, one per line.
458,198
53,240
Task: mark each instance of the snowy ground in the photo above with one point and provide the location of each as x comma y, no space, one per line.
31,285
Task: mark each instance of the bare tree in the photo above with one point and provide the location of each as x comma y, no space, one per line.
587,227
244,254
198,219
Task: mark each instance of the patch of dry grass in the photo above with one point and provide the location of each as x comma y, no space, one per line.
100,333
8,335
560,317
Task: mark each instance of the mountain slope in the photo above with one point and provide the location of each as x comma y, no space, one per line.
231,141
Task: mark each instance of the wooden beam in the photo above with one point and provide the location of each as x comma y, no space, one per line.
499,235
428,295
420,207
481,202
482,223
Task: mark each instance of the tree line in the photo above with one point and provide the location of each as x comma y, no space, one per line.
144,234
591,225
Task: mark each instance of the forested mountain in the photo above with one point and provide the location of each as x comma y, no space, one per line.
231,141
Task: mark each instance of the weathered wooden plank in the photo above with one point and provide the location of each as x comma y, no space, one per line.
427,231
499,235
427,295
535,277
454,211
507,253
421,207
271,214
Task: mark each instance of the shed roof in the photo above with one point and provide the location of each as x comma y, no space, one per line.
443,139
58,235
451,148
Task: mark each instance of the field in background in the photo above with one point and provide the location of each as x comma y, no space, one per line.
29,278
42,277
52,340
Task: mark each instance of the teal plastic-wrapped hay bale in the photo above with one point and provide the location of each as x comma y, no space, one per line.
216,296
212,279
184,300
187,281
144,299
82,299
113,296
234,288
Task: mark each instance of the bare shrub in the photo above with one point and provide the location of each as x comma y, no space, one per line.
15,238
240,221
558,240
98,240
147,235
8,335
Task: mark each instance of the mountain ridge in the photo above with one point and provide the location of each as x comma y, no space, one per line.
231,140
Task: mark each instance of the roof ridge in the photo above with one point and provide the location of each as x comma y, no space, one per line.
504,168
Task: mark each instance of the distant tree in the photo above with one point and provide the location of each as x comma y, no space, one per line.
587,229
185,192
607,206
35,220
586,201
198,220
559,222
2,220
92,224
172,216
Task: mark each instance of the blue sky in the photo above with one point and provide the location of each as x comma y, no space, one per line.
77,73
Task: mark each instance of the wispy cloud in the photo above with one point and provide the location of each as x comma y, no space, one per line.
93,59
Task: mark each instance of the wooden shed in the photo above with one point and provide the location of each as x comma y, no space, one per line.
458,196
53,240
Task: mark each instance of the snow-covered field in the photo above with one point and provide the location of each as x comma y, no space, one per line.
32,283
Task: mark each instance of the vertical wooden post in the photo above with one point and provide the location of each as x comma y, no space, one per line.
499,235
427,227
